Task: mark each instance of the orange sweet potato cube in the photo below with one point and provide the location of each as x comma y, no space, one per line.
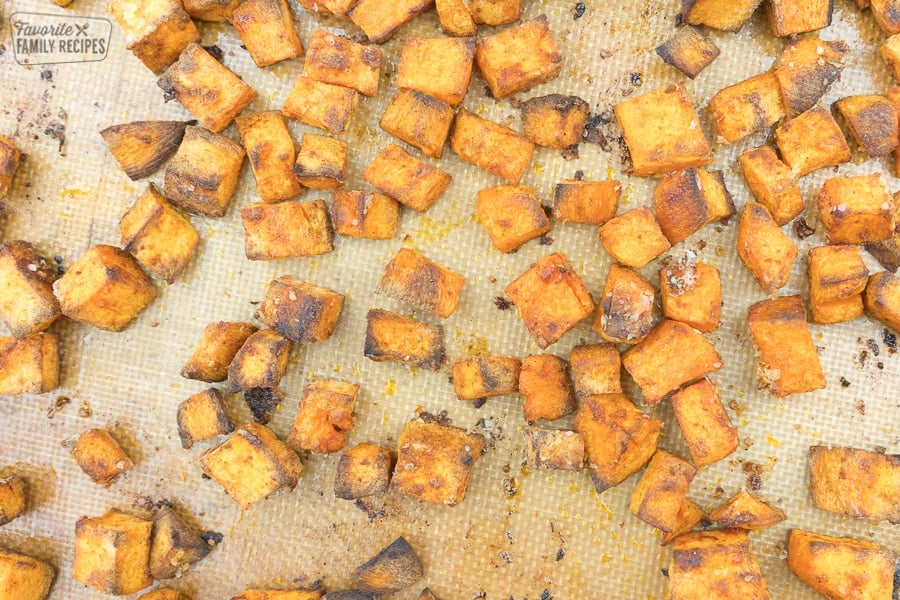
882,299
856,210
455,18
689,50
495,12
419,120
9,163
266,28
364,214
764,249
662,489
518,58
24,577
112,553
216,349
324,417
837,278
338,60
300,311
486,377
708,431
591,202
495,148
511,215
380,19
545,384
689,514
873,122
321,162
100,456
261,362
887,15
747,107
362,471
211,10
203,175
691,292
202,416
30,365
806,69
855,483
728,15
890,51
625,309
717,564
439,67
554,449
422,283
745,511
270,149
155,32
555,121
27,304
772,183
286,230
790,17
405,178
596,369
634,238
394,337
836,311
810,141
321,105
686,200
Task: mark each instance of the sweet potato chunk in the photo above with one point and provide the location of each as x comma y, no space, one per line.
747,107
856,210
340,61
812,141
140,147
13,499
203,175
688,516
511,215
495,12
495,148
112,553
764,249
27,303
266,28
439,67
625,310
286,230
260,363
686,200
419,120
270,149
882,299
393,337
689,50
321,162
408,180
362,471
790,17
591,202
634,238
486,377
210,10
164,594
745,511
394,568
30,365
155,32
545,384
772,183
554,449
806,69
364,214
455,18
716,565
380,19
728,15
837,278
325,416
555,121
662,489
887,15
300,311
873,122
321,105
708,431
24,577
100,456
421,283
9,163
890,51
518,58
596,369
855,483
175,545
215,350
691,292
202,417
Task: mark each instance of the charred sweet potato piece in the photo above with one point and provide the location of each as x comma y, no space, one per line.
155,32
855,483
320,104
691,292
27,303
340,61
554,449
764,249
210,10
810,141
24,577
518,58
806,69
362,471
216,349
455,18
325,416
890,51
719,14
555,121
856,210
790,17
837,278
772,183
29,365
364,214
266,29
486,377
661,490
394,568
511,215
260,363
716,565
100,456
13,499
745,511
591,202
419,120
873,122
625,310
380,19
596,369
270,149
203,175
708,431
300,311
882,299
140,147
887,15
175,545
747,107
422,283
9,163
202,416
393,337
112,553
689,50
545,384
495,148
686,200
405,178
286,230
321,162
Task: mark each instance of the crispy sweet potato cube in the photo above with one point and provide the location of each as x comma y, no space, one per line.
835,273
554,121
206,88
112,553
618,438
394,568
518,58
545,384
27,303
140,147
270,149
410,181
745,511
495,12
764,249
434,462
393,337
325,416
689,50
24,577
211,10
321,105
175,545
511,215
164,594
439,67
691,292
886,252
286,230
380,19
887,15
672,355
419,120
551,298
554,449
321,162
662,132
9,162
300,311
100,456
790,17
841,567
29,365
717,565
266,28
689,514
202,176
661,490
260,363
596,369
873,122
105,288
156,32
811,141
806,69
855,483
252,464
421,283
625,310
772,183
747,107
708,431
890,51
364,214
455,18
362,471
786,359
686,200
719,14
836,311
485,377
202,417
338,60
591,202
215,350
634,238
882,299
856,210
281,595
13,500
155,234
495,148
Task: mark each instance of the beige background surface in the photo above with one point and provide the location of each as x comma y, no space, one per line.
555,534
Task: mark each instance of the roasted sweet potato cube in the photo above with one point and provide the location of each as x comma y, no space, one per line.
717,565
29,365
689,514
618,438
434,462
211,10
747,107
634,238
260,363
661,490
551,298
518,58
439,67
836,273
362,471
495,148
206,88
215,350
380,19
364,214
691,292
13,499
886,252
202,417
112,553
485,377
596,369
270,149
325,416
410,181
662,132
495,12
745,511
27,303
340,61
321,162
175,545
811,141
625,310
300,311
790,17
836,311
321,105
266,28
156,32
772,183
806,69
554,449
164,594
873,122
511,215
155,234
856,210
841,567
9,162
890,51
23,577
419,120
686,200
708,431
555,121
393,337
887,15
394,568
286,230
882,299
422,283
202,176
100,456
282,595
689,50
855,483
591,202
140,147
105,288
545,384
672,355
719,14
786,359
764,249
455,18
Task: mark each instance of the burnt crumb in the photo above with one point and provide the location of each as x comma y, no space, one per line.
215,52
506,556
479,402
57,405
371,512
168,94
863,357
593,134
57,131
441,418
873,347
754,482
719,492
879,365
487,92
579,175
861,407
570,153
205,476
545,240
896,594
147,503
212,538
754,473
546,595
844,382
879,450
802,228
46,75
85,410
548,210
664,571
890,340
560,554
502,303
579,10
679,19
510,486
58,259
262,403
636,79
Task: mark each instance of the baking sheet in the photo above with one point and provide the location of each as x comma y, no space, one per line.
554,537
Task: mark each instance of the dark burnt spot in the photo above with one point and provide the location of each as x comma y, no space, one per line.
502,303
479,402
873,347
212,538
689,560
802,228
215,51
262,402
579,11
46,75
570,153
560,554
636,79
371,57
844,382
